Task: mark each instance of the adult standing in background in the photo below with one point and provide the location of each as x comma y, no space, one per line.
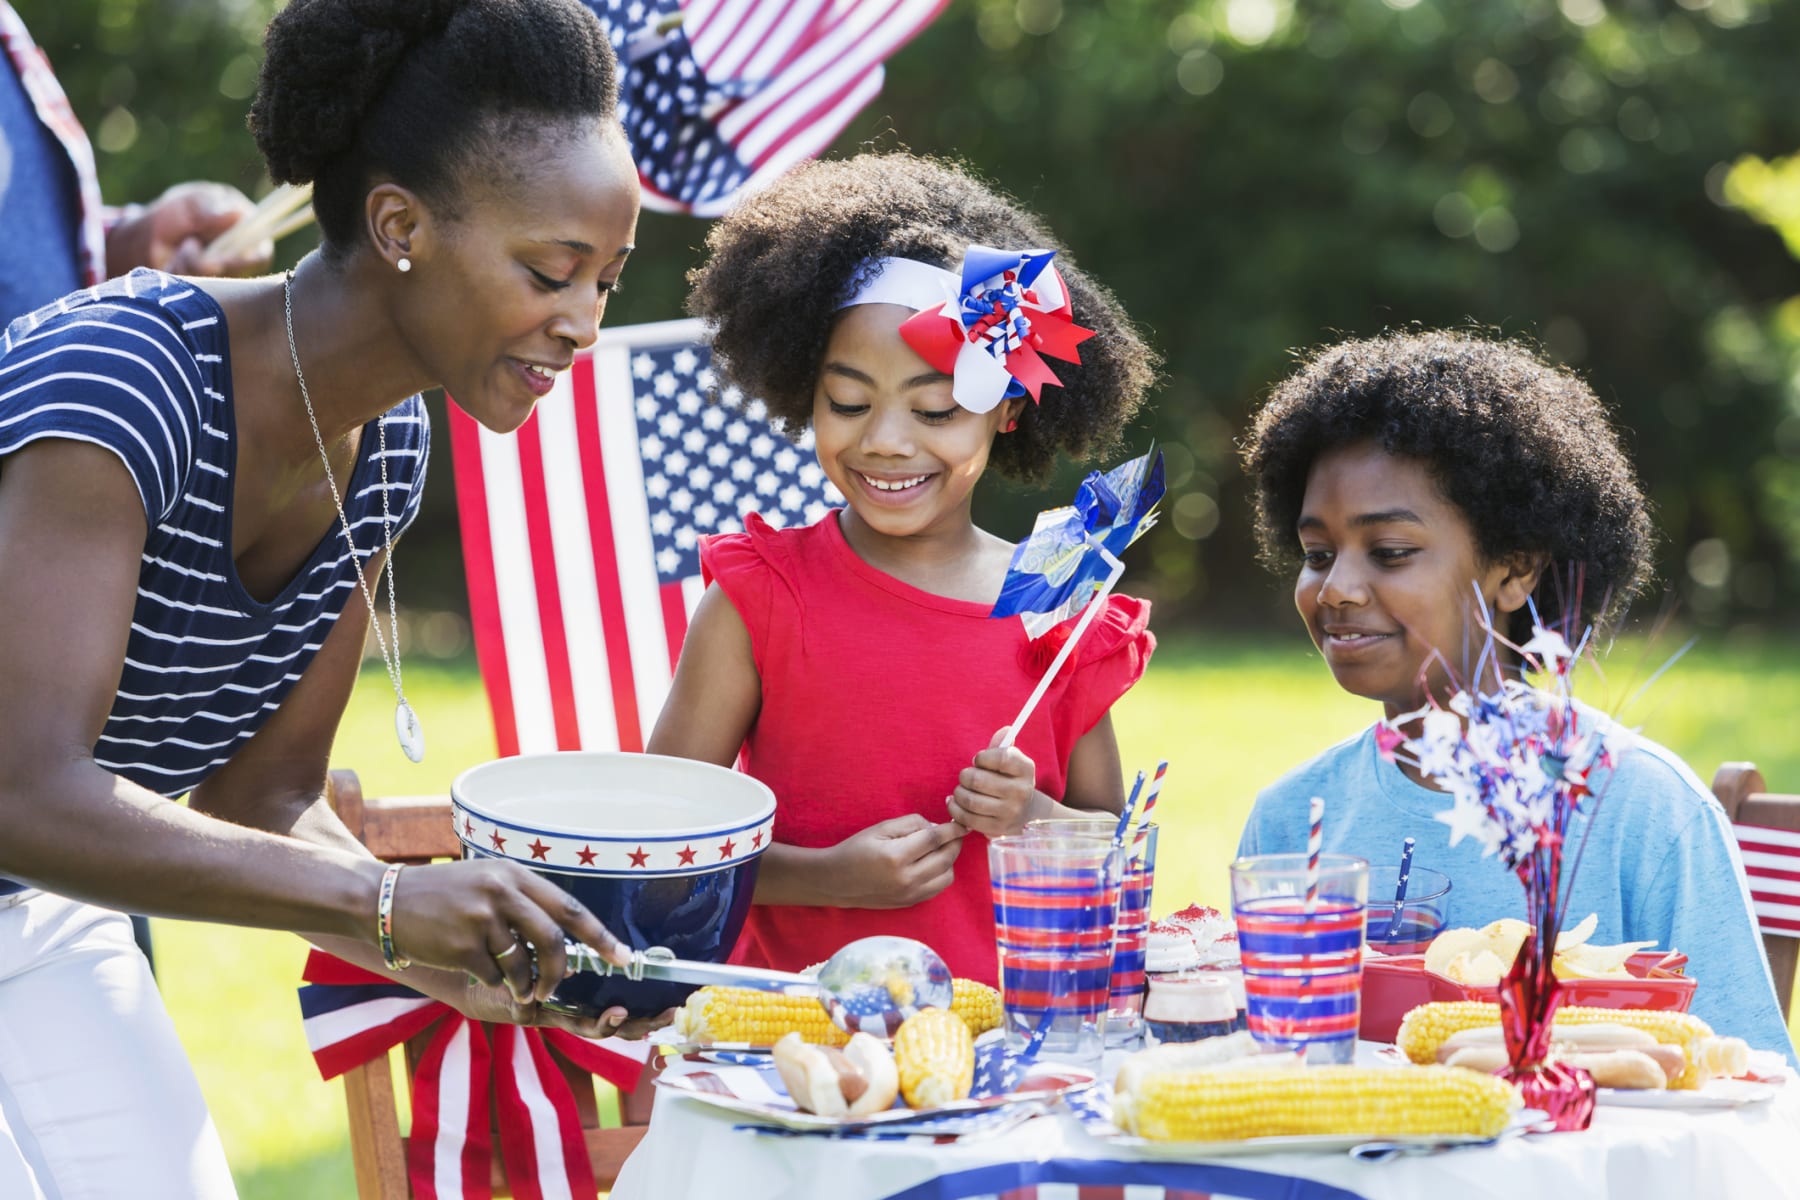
58,236
200,485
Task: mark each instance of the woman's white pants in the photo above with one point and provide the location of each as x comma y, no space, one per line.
97,1100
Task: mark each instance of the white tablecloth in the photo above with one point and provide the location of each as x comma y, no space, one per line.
1747,1153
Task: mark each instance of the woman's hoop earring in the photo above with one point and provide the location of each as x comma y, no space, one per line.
404,265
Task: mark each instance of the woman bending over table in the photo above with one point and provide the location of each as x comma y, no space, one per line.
185,467
1398,477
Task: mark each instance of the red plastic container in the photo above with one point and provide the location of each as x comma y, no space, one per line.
1392,987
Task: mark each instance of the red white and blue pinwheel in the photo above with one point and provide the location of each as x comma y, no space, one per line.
1071,561
1010,310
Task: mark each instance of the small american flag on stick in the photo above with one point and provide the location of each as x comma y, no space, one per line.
581,531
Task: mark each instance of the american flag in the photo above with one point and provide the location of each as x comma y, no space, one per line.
581,532
718,96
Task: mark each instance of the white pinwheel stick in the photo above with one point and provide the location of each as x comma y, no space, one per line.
1062,656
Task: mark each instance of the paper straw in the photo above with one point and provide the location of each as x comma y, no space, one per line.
1406,853
1316,815
1118,838
1143,829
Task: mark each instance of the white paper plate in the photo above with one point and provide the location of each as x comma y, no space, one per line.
1719,1093
757,1092
1309,1144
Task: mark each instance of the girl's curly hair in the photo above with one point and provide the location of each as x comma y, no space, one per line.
354,92
1525,449
781,263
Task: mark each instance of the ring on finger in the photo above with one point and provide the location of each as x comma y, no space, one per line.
510,947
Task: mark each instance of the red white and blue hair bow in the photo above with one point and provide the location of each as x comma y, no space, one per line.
987,327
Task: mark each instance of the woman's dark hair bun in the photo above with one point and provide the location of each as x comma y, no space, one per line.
415,91
325,64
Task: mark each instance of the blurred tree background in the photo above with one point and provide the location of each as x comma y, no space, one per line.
1254,176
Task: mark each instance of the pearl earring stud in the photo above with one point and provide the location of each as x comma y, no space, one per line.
404,265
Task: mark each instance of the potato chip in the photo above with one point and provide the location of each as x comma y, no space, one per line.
1505,936
1450,943
1597,962
1568,939
1482,968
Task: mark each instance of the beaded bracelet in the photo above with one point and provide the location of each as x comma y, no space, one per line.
384,919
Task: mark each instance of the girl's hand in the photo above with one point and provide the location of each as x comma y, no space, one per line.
999,793
496,1005
896,863
489,919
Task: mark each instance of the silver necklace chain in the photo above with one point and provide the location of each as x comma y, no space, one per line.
406,722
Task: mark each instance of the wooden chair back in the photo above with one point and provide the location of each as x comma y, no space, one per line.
1767,825
416,829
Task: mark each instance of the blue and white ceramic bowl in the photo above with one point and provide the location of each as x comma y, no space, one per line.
663,850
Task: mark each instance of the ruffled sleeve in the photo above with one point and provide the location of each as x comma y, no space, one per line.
756,572
1111,657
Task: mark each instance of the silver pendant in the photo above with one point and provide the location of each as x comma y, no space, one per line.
406,728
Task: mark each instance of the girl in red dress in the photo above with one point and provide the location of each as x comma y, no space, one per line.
852,665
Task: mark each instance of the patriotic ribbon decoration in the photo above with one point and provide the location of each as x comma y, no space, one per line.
353,1016
1064,562
1009,309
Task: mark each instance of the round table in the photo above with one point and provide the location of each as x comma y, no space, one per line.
1752,1152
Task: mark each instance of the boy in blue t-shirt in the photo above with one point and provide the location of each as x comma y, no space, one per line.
1404,476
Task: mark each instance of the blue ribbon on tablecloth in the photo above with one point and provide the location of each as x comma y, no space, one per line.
1177,1181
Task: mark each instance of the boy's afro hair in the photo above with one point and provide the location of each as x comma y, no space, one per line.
1523,448
780,264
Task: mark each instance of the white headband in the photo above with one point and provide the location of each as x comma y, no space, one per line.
908,283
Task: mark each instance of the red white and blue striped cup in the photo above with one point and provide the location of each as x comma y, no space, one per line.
1056,899
1302,969
1131,928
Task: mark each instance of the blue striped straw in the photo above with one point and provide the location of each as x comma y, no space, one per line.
1406,853
1118,838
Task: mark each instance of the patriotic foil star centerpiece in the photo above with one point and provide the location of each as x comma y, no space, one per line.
1010,310
1518,763
1071,561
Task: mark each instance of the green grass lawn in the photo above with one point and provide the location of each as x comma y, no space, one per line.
1229,717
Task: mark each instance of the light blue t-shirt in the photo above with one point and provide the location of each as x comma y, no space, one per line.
1660,864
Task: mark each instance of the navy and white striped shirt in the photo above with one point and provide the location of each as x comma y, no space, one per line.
141,366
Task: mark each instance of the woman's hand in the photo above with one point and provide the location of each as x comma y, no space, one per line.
896,863
173,231
998,794
490,919
496,1005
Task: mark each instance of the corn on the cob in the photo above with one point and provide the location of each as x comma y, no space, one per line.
1228,1104
730,1014
746,1015
935,1054
978,1004
1424,1029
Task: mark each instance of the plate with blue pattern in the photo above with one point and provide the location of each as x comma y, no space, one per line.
750,1084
